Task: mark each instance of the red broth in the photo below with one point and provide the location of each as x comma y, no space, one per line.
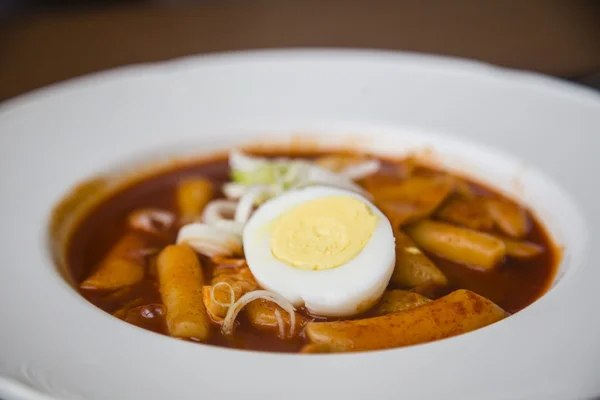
513,285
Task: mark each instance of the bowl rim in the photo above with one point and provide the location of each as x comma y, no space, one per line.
553,86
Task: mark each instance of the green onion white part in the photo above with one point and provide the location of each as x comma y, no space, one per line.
234,310
218,213
316,175
283,174
361,170
233,191
280,324
209,240
252,197
256,180
231,294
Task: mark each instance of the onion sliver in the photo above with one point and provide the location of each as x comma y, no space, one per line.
229,323
231,294
151,220
247,202
315,175
280,324
209,240
207,248
219,213
237,228
361,170
242,162
233,190
218,210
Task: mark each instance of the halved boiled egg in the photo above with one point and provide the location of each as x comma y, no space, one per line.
324,248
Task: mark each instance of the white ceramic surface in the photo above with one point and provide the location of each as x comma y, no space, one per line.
533,137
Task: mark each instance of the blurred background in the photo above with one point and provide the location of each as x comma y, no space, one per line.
47,41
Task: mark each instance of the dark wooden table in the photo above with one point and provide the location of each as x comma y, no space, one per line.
554,37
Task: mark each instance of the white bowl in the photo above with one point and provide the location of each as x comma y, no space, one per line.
533,137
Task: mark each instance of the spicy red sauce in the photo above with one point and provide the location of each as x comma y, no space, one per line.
513,285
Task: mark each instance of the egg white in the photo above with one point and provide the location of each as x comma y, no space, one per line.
338,292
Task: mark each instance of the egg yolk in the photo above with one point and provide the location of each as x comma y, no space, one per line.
323,233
